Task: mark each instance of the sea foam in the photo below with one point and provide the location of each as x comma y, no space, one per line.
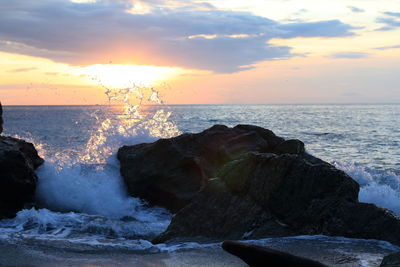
81,194
378,187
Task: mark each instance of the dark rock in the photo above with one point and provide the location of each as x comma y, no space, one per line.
245,182
18,160
293,146
351,219
257,256
170,172
1,118
391,260
205,218
267,195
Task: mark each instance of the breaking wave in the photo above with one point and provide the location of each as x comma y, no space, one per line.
376,186
81,193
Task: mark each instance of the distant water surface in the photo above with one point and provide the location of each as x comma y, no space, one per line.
366,134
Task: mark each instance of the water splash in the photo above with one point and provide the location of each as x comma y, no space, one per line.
89,181
81,193
134,119
47,224
379,187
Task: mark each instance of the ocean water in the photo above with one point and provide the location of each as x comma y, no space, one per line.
83,199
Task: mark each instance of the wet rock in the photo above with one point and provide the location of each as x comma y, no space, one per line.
18,160
391,260
170,172
245,183
236,220
293,146
351,219
268,195
257,256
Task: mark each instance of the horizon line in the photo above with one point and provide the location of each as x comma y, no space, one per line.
205,104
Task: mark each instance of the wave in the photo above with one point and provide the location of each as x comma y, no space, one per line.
53,225
83,199
95,190
376,186
88,180
81,194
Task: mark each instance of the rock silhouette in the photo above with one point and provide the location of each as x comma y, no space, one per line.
18,160
170,172
245,183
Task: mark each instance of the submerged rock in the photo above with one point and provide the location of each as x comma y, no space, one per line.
246,183
18,160
257,256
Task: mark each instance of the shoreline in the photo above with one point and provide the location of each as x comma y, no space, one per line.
331,251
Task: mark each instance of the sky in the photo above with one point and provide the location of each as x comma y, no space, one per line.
64,52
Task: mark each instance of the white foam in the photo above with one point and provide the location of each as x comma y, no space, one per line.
82,196
91,198
186,246
85,188
47,224
89,182
379,187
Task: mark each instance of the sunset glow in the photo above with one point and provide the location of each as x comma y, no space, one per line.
146,132
217,51
120,76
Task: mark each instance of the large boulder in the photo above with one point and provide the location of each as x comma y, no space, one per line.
268,195
245,183
170,172
18,160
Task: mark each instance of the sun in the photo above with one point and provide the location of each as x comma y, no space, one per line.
121,76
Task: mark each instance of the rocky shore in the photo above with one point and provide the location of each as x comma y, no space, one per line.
18,160
223,183
328,251
247,183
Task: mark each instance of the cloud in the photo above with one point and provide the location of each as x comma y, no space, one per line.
391,21
385,28
328,28
356,9
393,14
349,55
22,70
300,12
388,47
52,73
97,32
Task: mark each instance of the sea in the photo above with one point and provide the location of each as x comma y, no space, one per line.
83,201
